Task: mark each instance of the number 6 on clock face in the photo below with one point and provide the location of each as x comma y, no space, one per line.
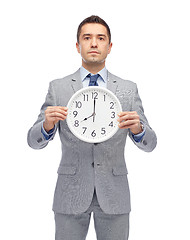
92,114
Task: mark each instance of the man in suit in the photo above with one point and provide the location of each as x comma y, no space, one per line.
92,177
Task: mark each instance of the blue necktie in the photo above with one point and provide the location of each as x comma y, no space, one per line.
93,79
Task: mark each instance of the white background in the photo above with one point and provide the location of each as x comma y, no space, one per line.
150,47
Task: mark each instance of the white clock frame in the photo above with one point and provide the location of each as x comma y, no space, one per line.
87,110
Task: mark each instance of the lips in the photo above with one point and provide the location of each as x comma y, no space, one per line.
94,52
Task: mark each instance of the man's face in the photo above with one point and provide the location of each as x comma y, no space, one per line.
93,43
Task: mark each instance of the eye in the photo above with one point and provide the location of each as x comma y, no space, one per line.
101,38
86,38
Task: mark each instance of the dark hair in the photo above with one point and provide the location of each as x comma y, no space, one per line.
93,19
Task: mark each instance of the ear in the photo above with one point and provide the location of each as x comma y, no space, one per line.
78,47
109,48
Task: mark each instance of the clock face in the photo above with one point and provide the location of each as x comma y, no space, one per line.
92,114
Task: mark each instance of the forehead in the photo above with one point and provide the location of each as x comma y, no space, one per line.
93,28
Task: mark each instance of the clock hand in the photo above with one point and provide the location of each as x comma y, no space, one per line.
94,109
87,117
94,104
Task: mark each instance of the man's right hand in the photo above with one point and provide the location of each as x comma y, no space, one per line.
52,115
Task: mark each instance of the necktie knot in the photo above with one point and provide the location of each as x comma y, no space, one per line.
93,79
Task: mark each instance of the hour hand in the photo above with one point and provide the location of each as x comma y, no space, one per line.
87,117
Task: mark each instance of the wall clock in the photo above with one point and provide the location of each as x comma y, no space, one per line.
92,114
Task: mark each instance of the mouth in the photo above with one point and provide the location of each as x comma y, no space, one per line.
93,52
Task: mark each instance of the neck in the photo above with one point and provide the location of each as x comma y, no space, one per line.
93,68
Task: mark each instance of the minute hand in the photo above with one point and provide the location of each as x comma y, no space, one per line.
94,113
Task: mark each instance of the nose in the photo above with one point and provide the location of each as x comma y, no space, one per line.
94,43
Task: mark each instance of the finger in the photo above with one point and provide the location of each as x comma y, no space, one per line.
128,117
128,123
49,116
64,108
124,113
56,115
51,108
58,110
57,107
128,127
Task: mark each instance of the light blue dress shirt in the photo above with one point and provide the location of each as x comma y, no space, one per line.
102,79
102,82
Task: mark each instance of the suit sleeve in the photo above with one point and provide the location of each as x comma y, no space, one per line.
35,137
149,140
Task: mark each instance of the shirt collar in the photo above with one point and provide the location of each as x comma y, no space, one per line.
103,73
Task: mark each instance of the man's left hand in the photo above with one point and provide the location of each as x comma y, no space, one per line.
130,120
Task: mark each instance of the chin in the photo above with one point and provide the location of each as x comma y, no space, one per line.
94,60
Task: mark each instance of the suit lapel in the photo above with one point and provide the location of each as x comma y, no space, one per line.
112,83
76,82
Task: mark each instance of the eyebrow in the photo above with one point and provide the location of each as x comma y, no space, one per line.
89,34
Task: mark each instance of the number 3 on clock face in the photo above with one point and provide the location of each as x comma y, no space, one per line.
92,114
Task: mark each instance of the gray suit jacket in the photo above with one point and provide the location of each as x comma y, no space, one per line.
85,166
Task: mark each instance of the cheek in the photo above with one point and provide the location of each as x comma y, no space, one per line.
83,49
105,52
105,49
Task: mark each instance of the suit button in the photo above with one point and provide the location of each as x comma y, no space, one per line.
145,142
93,164
95,143
39,140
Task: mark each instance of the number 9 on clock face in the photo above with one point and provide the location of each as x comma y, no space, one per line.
92,114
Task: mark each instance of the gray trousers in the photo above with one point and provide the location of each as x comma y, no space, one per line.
107,226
